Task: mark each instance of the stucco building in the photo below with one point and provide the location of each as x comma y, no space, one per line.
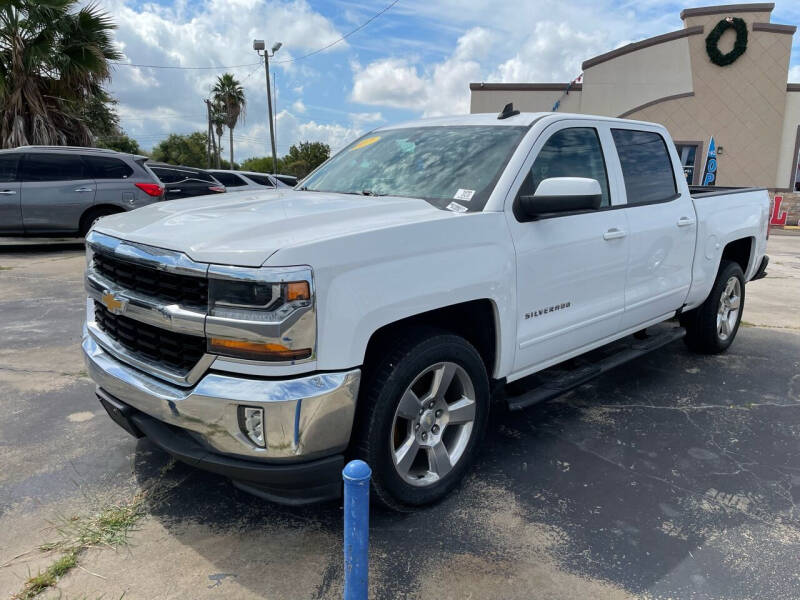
747,106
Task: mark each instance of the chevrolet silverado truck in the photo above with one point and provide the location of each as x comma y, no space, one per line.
427,272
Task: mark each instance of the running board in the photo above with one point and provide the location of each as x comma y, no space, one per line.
553,382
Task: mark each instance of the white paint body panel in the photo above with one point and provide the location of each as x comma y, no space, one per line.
377,260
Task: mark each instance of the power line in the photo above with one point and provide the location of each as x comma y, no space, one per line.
341,39
123,64
288,60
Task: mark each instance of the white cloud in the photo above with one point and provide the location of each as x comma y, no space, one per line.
389,82
298,106
289,127
440,89
794,74
553,51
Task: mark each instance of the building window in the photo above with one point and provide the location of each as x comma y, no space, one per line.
690,155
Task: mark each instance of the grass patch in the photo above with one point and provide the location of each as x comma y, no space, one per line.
2,268
744,323
110,526
38,583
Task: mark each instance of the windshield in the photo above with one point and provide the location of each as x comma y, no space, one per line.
454,167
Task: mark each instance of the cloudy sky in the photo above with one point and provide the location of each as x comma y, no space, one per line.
415,59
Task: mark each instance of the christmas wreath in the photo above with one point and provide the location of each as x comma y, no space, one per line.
712,41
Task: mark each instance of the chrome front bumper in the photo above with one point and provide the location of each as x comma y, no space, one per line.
305,418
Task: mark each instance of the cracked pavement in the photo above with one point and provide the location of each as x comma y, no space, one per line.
675,476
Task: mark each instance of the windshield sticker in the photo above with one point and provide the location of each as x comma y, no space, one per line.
365,143
464,195
456,207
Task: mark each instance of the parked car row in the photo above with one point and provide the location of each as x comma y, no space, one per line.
62,190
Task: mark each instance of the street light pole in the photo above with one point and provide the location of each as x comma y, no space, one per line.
259,46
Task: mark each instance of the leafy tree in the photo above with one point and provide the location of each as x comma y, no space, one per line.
54,60
305,157
188,150
229,94
119,142
261,164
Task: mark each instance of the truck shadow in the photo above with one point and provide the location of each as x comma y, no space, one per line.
640,479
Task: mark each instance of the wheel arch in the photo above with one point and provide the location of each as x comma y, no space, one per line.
739,251
95,210
477,321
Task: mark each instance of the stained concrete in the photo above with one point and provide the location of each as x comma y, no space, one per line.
676,476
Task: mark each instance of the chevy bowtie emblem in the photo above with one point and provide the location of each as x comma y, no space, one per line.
114,305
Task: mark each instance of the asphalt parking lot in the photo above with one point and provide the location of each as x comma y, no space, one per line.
676,476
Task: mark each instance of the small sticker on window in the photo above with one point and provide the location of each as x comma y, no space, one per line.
456,207
464,195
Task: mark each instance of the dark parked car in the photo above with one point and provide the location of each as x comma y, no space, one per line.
62,190
244,181
289,180
185,182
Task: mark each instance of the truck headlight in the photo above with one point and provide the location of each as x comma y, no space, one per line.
264,314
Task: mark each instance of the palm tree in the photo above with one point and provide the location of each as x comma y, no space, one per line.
54,59
229,93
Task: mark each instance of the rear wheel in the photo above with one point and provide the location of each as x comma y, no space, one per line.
424,410
91,216
712,326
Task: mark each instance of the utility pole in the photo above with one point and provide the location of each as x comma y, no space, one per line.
210,132
259,47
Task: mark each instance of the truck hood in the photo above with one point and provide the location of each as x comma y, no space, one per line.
245,229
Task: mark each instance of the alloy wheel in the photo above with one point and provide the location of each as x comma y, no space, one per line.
729,306
433,424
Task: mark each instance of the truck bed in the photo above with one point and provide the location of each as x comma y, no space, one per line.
705,191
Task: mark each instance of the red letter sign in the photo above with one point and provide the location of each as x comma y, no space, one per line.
778,217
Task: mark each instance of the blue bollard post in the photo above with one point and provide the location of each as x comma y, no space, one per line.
356,476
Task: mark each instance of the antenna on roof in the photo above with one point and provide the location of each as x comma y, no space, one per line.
508,111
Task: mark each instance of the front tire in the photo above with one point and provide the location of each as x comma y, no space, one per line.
424,409
712,326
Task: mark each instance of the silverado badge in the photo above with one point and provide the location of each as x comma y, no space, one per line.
115,306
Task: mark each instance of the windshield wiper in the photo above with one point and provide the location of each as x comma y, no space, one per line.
370,193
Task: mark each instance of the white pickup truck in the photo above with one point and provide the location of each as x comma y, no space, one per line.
379,308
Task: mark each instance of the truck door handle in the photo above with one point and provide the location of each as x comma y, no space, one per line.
8,192
84,189
614,234
685,221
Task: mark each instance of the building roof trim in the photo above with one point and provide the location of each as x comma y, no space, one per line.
656,101
526,87
775,28
725,9
793,87
659,39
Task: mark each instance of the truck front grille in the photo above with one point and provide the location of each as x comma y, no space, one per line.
177,351
168,287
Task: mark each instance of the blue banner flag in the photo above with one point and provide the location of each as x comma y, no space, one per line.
710,172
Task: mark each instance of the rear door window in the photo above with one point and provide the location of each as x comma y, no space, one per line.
168,175
8,167
261,180
646,166
104,167
229,179
54,167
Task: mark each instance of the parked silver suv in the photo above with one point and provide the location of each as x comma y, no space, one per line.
62,190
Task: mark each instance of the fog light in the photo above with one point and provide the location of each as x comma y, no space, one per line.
251,422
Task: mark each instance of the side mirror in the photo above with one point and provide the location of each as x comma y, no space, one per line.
560,195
